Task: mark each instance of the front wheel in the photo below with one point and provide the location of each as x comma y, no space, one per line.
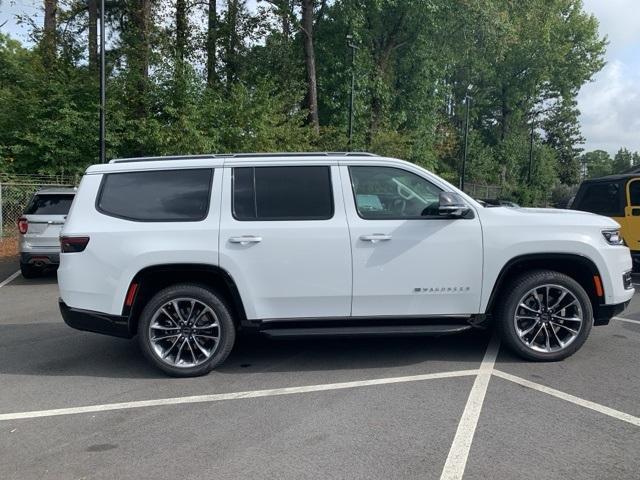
546,316
186,330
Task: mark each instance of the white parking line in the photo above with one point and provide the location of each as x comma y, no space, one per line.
625,417
235,395
637,322
10,279
459,452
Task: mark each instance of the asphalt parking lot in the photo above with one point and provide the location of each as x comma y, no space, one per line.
79,405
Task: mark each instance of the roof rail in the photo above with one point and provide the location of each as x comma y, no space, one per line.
242,155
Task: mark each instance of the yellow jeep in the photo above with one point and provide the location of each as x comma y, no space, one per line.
618,197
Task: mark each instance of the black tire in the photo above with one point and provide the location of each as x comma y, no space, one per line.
227,331
29,271
509,303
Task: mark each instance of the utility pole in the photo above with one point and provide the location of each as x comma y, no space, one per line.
103,154
467,100
353,48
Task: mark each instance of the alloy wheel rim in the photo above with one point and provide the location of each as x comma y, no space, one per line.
184,332
548,318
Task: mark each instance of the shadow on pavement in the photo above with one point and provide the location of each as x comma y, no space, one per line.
53,349
49,277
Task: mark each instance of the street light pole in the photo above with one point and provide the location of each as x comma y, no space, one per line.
353,47
103,154
467,100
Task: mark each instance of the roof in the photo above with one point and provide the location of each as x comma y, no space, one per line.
612,178
56,190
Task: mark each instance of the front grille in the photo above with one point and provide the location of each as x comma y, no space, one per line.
627,281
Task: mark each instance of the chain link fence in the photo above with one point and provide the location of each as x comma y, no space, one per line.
477,190
15,193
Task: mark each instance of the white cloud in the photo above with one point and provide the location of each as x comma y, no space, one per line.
610,105
619,20
610,109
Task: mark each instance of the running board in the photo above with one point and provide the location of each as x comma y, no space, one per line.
371,331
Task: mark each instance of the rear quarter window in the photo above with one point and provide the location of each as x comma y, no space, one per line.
157,196
49,204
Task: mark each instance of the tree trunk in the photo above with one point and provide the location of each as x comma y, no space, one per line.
49,34
232,41
212,40
181,30
286,20
92,6
310,64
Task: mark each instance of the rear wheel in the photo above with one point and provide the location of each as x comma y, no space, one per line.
547,316
29,271
186,330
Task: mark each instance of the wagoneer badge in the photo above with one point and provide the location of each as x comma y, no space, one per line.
434,290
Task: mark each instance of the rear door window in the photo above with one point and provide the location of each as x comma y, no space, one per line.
282,193
157,196
49,204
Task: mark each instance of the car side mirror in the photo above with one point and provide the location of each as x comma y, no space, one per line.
451,205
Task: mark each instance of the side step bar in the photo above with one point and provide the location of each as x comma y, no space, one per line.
369,330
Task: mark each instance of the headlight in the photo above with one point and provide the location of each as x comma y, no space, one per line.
613,237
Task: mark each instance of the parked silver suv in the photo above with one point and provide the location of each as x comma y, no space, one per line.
40,227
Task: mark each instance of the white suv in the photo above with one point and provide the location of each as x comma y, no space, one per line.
186,251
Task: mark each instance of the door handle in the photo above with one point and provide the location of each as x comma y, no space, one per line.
376,237
246,239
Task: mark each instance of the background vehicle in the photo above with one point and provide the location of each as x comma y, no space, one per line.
492,202
618,197
39,228
184,251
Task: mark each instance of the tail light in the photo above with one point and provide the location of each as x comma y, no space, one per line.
23,225
73,244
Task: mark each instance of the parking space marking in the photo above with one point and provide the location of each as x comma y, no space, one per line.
10,279
625,417
637,322
235,395
459,452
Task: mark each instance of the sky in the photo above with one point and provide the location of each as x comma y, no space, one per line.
609,104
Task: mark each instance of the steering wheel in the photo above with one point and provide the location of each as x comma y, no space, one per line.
398,205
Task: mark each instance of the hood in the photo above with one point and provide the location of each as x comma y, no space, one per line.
548,216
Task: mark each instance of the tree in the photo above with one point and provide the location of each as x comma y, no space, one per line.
92,7
212,40
231,44
622,160
136,37
597,163
194,76
563,135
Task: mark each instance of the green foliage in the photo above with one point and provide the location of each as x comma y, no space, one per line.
413,67
622,160
597,164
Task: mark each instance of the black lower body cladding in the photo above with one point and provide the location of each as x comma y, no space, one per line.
97,322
